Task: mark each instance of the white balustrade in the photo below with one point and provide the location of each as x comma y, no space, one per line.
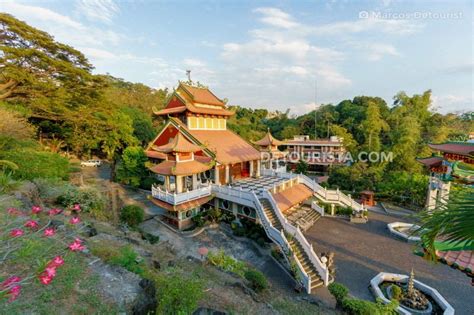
178,198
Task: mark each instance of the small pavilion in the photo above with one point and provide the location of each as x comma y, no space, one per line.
181,171
268,147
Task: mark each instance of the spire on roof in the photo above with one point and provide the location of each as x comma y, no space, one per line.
268,139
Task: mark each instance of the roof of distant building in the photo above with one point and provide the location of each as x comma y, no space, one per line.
182,168
431,161
463,148
267,140
178,144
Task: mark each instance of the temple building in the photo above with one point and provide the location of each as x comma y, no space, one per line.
450,162
320,154
272,157
201,165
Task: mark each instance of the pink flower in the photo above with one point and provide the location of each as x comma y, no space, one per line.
36,209
50,271
14,292
14,211
16,232
31,224
75,220
49,232
54,211
76,207
56,262
45,279
11,280
76,245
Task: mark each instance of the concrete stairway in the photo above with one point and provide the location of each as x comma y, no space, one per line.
295,245
304,217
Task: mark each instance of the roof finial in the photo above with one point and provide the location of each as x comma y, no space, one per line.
188,74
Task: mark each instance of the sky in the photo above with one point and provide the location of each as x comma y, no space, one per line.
274,54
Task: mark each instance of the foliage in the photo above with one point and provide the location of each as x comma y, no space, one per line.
7,183
339,291
15,126
257,280
90,200
142,124
227,263
199,219
302,167
397,292
128,259
132,215
177,294
214,214
453,221
343,210
37,164
132,170
404,187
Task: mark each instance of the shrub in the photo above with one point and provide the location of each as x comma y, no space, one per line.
359,307
131,170
152,239
397,292
257,280
177,294
128,259
214,214
147,182
339,291
227,263
91,201
132,215
199,220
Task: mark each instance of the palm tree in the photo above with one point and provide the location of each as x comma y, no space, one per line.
452,221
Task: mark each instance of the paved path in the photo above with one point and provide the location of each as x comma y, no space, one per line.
363,250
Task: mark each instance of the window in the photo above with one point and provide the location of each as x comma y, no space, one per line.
192,122
201,122
209,123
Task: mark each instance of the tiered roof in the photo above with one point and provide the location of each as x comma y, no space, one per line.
268,140
197,100
178,144
455,148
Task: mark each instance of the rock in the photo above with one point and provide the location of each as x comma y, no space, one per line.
146,302
156,264
28,194
57,224
91,231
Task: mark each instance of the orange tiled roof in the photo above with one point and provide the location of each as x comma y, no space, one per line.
182,206
178,144
202,95
172,110
155,154
268,140
183,168
431,161
292,196
456,148
463,259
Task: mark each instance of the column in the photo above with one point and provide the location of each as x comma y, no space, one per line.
251,169
195,182
179,184
216,175
259,165
227,174
167,183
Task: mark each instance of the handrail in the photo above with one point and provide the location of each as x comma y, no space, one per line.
317,208
296,232
177,198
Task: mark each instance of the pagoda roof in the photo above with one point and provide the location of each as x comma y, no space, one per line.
178,144
431,161
267,140
180,168
197,100
228,147
292,196
456,148
182,206
155,154
201,94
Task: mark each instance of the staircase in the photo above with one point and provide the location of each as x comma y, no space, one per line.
304,217
302,256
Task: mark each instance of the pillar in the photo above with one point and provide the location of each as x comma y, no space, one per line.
167,183
179,184
195,182
216,175
227,174
259,166
251,169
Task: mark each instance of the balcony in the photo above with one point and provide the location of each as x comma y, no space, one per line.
178,198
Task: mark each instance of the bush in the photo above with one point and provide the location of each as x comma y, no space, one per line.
339,291
128,259
131,170
359,307
257,280
132,215
344,211
214,214
147,182
152,239
397,292
90,199
199,220
227,263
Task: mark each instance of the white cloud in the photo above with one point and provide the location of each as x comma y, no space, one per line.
276,17
98,10
377,51
192,62
450,103
62,27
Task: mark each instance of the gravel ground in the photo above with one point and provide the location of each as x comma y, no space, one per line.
364,250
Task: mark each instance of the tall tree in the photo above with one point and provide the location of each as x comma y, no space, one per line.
372,127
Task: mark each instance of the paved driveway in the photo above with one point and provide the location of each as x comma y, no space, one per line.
363,250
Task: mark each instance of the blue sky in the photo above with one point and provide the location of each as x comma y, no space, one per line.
270,53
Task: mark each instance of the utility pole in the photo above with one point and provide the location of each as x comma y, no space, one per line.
315,108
